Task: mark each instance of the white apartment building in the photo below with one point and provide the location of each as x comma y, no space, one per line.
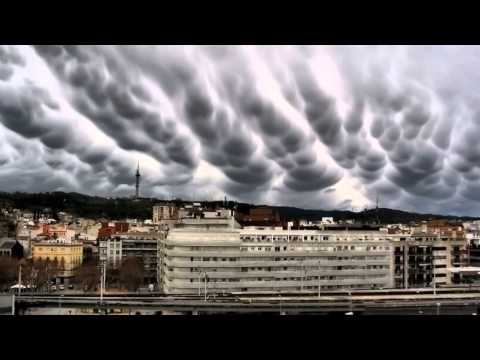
215,252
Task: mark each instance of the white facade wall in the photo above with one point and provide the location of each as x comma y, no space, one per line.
274,260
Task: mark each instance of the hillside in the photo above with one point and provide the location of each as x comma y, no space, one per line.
120,208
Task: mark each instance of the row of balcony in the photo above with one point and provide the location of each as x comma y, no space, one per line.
254,253
385,281
275,273
247,263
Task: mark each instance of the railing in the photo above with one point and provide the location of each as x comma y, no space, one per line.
275,284
273,253
272,263
276,273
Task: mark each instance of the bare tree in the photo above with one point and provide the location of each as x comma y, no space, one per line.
131,273
88,275
113,276
8,272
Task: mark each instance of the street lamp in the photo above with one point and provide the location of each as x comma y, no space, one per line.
205,277
304,274
19,279
319,287
102,280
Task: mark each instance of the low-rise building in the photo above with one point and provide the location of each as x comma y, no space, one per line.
11,247
68,255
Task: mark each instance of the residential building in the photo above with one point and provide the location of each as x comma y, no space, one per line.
69,256
260,216
423,258
165,212
226,258
11,247
116,248
60,231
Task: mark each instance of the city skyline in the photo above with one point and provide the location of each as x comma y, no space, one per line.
317,127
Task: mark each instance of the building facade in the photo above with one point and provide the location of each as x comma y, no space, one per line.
422,258
11,247
216,253
115,249
69,256
166,214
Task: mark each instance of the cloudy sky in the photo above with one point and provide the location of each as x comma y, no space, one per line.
309,126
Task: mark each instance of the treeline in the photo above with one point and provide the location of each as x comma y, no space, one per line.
79,205
35,274
39,274
120,208
128,275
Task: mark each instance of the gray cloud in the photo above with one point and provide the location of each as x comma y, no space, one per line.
405,127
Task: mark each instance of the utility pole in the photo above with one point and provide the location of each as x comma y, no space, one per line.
205,286
304,273
319,287
199,283
102,281
19,279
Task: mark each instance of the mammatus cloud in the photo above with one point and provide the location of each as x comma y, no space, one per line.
311,126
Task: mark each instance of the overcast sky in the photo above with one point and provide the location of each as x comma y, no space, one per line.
308,126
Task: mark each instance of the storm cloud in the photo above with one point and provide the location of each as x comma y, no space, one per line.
311,126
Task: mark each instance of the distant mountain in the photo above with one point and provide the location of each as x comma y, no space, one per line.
384,215
121,208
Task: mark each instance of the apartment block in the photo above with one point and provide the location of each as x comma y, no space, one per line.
142,245
422,258
220,255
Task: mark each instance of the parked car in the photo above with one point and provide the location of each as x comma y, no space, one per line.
53,288
70,286
61,287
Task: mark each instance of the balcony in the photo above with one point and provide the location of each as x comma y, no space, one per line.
277,284
284,263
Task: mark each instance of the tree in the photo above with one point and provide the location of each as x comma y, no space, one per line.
8,272
88,275
113,276
131,273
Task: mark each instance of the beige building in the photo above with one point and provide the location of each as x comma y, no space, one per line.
69,255
166,214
